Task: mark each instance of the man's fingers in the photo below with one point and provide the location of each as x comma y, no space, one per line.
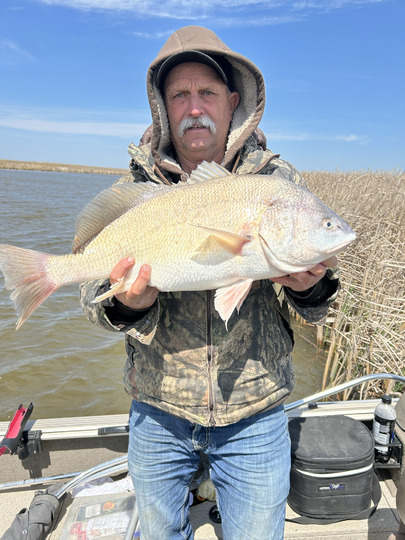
140,295
120,269
320,269
301,281
140,284
331,263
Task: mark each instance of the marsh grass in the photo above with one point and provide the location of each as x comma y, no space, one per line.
365,329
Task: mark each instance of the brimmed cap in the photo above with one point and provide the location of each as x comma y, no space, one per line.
188,56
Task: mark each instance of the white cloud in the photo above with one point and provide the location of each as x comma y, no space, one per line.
154,35
247,12
328,5
70,122
11,53
280,136
352,138
175,7
115,123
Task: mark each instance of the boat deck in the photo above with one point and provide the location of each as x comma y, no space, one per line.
377,527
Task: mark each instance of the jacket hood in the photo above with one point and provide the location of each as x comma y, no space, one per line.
243,75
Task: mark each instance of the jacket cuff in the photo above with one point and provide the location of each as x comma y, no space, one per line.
140,324
145,328
120,314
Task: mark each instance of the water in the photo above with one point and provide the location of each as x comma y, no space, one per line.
58,360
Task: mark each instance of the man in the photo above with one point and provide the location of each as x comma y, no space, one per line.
197,386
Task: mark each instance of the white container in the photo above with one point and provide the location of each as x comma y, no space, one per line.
383,429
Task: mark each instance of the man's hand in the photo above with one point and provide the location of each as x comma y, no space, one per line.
301,281
140,295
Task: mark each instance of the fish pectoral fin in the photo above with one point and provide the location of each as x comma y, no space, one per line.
229,298
231,242
112,291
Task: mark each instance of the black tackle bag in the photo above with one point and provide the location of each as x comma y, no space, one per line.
332,469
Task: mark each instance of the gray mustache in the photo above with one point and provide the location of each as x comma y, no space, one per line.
201,121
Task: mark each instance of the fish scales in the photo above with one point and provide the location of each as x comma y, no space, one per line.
180,250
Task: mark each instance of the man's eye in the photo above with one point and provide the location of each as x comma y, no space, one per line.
178,95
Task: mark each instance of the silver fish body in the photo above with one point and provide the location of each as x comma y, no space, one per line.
218,231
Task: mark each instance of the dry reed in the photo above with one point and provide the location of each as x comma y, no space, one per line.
365,330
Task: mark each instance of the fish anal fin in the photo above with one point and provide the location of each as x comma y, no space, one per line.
231,297
118,287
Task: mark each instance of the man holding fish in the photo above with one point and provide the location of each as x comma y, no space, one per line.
216,219
195,385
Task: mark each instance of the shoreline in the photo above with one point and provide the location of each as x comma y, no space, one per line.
58,167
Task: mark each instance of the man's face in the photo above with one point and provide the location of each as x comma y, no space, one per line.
194,91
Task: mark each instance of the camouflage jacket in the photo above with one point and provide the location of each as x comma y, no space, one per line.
182,359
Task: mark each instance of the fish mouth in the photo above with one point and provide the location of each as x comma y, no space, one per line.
341,246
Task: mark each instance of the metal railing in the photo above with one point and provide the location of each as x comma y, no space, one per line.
336,389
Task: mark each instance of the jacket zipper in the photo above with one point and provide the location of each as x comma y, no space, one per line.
211,405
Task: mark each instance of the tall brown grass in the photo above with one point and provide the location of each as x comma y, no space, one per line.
365,330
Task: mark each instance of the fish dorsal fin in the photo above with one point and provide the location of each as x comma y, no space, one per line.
208,171
109,205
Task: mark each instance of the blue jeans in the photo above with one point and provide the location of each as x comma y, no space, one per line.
250,468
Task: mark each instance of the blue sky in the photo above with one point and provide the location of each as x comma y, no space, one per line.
72,76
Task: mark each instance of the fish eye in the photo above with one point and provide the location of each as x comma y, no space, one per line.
327,223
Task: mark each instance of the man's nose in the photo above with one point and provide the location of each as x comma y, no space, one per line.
195,105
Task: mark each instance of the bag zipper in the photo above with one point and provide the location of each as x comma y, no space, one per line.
339,474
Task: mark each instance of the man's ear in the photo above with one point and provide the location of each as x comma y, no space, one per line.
233,100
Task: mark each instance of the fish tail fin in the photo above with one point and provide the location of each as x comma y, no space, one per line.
25,274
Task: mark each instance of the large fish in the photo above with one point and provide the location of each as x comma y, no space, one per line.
217,231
